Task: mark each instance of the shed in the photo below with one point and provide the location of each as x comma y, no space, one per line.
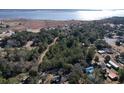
113,76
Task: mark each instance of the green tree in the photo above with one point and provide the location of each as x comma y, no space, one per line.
96,59
98,76
122,54
90,54
117,43
75,74
3,80
12,81
121,75
107,59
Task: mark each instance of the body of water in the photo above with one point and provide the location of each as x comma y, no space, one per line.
60,14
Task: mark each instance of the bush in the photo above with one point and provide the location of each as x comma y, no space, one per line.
33,72
3,80
12,81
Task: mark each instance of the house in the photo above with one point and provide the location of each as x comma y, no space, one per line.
33,30
113,76
7,33
89,70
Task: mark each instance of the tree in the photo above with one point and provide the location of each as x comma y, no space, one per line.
110,35
32,55
122,54
7,26
117,43
107,59
3,80
75,74
34,71
121,75
100,44
96,59
117,58
90,55
98,76
13,81
92,39
120,33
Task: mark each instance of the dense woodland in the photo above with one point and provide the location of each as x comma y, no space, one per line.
67,59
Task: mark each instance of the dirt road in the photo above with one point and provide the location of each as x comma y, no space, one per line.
44,53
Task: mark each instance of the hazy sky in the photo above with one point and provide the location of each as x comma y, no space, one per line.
63,4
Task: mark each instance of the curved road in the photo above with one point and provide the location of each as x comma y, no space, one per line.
44,53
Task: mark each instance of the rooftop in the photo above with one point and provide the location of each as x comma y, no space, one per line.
112,75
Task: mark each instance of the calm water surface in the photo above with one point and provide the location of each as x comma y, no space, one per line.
60,15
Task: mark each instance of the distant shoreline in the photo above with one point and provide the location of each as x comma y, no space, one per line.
22,24
29,19
59,9
20,19
59,14
50,9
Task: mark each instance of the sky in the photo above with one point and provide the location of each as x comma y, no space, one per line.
61,4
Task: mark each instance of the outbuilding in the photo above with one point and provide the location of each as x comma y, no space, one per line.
113,76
